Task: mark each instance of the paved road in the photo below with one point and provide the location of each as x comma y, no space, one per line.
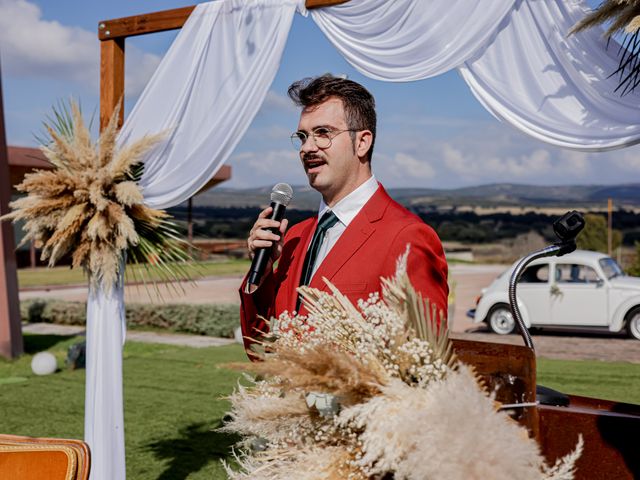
468,279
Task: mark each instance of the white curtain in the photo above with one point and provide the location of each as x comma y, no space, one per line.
205,94
516,56
104,415
206,91
553,86
405,40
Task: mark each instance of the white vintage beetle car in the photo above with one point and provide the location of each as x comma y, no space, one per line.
582,290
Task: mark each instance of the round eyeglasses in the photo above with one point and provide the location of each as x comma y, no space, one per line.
322,137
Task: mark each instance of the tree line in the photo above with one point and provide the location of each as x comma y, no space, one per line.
451,225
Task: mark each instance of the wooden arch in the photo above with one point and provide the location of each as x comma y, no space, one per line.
112,35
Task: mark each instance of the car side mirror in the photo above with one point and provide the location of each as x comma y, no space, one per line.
599,283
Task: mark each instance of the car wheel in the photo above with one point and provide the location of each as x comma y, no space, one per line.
633,323
501,320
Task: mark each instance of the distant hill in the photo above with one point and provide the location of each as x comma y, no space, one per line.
499,194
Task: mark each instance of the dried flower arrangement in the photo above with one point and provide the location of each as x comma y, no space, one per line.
374,392
90,205
621,16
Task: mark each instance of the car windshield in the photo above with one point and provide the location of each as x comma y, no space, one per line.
611,268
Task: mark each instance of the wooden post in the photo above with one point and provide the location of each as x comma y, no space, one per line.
11,344
32,254
190,220
111,79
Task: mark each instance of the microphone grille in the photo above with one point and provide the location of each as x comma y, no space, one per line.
282,193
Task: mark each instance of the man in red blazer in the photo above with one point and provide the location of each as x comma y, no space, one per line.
359,232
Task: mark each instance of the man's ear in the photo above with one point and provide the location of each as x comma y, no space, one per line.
363,143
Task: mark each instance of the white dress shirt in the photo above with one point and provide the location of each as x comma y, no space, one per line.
346,210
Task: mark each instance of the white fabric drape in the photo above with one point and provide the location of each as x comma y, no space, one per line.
405,40
204,94
552,86
516,56
104,415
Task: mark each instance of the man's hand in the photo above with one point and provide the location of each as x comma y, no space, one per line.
260,237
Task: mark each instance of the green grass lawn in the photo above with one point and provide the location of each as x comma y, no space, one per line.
43,276
616,381
174,401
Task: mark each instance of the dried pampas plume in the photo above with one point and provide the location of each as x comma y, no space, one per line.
90,205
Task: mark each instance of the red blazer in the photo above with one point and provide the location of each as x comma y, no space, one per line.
367,250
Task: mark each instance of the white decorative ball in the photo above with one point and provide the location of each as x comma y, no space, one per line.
44,363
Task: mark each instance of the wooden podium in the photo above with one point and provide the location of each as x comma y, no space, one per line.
610,430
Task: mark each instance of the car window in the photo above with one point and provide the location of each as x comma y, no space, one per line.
536,274
575,273
610,268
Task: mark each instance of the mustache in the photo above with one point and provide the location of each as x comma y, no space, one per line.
310,156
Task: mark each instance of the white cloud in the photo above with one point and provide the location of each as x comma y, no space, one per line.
455,160
139,68
254,168
629,161
35,47
477,166
407,165
575,163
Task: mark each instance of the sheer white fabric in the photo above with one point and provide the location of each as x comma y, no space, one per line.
206,92
104,414
404,40
552,86
516,57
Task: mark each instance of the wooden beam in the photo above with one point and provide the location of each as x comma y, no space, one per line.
166,20
11,344
145,23
111,79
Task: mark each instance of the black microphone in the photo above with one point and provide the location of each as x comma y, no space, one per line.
280,197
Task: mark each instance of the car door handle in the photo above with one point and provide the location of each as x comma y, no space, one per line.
554,290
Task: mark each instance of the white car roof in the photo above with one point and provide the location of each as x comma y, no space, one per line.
577,256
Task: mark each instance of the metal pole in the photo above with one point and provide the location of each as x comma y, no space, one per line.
610,227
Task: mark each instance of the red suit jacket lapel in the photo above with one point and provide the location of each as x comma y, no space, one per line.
356,234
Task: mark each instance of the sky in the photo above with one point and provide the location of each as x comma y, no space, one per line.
431,133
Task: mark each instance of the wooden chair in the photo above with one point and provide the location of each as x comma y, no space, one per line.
29,458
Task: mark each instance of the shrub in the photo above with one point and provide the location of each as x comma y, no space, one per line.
634,268
200,319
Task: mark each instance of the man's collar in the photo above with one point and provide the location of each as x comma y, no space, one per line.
347,208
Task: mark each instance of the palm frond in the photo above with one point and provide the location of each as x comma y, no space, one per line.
623,17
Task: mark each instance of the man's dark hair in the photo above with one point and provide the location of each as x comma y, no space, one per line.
359,104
